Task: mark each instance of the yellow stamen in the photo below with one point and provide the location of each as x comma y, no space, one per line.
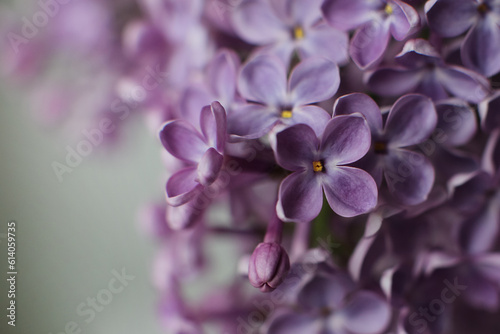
298,32
286,114
317,166
388,9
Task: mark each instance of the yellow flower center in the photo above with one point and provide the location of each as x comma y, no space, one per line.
298,32
286,114
388,9
317,166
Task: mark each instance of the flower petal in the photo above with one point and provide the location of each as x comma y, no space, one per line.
314,116
313,80
182,186
456,123
326,291
298,12
296,147
350,191
295,323
300,197
346,139
209,167
393,81
450,18
488,110
481,47
349,14
404,19
213,124
182,140
363,104
409,176
365,313
411,120
325,41
369,43
263,79
256,23
222,73
463,83
252,121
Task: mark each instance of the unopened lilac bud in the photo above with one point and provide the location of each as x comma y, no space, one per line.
269,265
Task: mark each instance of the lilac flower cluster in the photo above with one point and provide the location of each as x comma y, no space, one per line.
388,109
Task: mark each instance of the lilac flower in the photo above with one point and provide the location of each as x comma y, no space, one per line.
409,175
263,81
268,267
202,152
318,165
481,18
423,71
375,22
285,26
329,304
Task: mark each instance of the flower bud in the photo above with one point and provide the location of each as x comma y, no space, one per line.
269,265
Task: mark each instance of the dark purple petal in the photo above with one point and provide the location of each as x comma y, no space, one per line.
252,121
213,125
369,43
489,266
409,176
365,313
256,23
328,291
313,80
183,141
463,83
480,232
456,123
394,81
488,110
300,197
363,104
349,191
314,116
263,79
182,186
293,323
418,53
450,18
404,19
296,147
325,41
431,86
481,47
412,120
346,139
209,167
349,14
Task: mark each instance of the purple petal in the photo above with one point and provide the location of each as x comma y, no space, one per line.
325,291
349,14
182,140
300,197
298,12
313,80
256,23
404,19
489,266
192,101
263,79
481,47
349,191
314,116
209,167
463,83
182,186
369,43
365,313
409,176
183,216
412,120
222,73
488,110
431,86
393,81
252,121
293,323
346,139
481,231
213,125
450,18
363,104
325,41
296,147
456,123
